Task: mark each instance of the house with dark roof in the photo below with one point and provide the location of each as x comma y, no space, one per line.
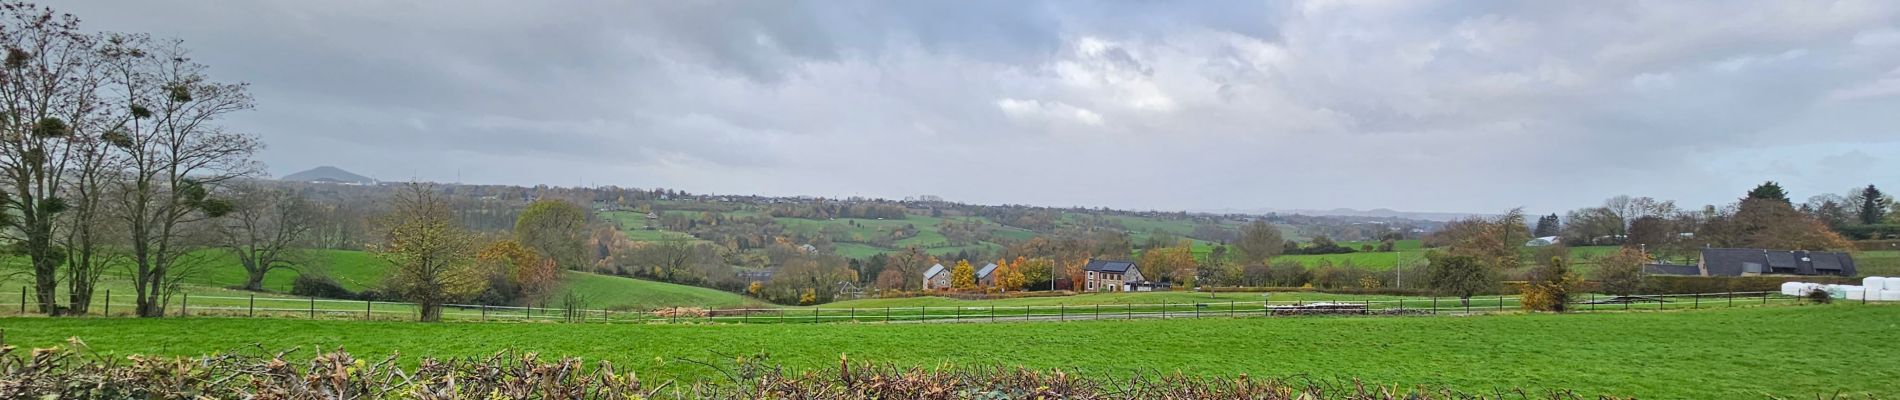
1112,276
986,276
1752,262
937,278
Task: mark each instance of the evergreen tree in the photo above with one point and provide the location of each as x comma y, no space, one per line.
1547,225
1872,205
1769,191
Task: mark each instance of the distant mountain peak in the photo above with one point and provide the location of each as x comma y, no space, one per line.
329,174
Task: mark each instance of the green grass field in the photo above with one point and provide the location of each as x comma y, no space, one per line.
1791,351
211,281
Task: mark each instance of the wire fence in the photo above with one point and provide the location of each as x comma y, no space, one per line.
109,305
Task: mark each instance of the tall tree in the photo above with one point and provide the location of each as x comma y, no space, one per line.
1260,240
264,229
91,233
1769,191
1769,224
963,276
176,155
432,257
48,97
1832,209
557,229
1871,205
1547,225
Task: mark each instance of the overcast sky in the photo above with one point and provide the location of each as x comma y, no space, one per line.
1468,106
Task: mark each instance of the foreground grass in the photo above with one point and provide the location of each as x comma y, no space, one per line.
1798,351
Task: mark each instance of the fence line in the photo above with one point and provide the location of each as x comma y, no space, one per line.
249,306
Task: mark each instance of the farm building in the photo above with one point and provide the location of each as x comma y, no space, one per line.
1113,276
937,278
986,277
1751,262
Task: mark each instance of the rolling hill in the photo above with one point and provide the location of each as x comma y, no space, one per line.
329,174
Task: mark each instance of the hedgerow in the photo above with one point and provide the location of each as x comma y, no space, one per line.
72,372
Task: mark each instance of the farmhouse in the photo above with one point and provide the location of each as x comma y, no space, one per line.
1112,276
986,277
1752,262
937,278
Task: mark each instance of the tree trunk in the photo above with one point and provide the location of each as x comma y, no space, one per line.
431,311
45,269
254,281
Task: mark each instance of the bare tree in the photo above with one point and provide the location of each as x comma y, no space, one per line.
175,155
265,228
91,233
48,94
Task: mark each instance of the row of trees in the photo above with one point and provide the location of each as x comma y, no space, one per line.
110,146
1765,218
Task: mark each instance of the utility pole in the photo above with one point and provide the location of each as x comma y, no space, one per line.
1401,267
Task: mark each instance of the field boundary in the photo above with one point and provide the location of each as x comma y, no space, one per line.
316,308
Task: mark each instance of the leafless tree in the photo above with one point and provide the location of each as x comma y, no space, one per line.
264,229
48,95
175,155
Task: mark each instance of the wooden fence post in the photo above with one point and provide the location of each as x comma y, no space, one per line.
108,302
313,308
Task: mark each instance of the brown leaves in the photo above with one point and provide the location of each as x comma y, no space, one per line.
66,373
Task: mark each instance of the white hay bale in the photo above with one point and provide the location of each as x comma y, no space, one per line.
1890,283
1853,293
1790,288
1873,282
1890,295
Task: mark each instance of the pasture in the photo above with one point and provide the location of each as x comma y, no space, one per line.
1789,351
212,279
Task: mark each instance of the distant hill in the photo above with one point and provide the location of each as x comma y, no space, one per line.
1373,213
329,174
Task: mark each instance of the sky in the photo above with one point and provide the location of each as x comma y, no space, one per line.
1456,106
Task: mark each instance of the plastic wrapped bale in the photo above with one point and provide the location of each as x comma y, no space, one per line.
1890,283
1890,295
1853,293
1791,288
1836,291
1874,283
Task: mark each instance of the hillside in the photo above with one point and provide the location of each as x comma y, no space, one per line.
217,272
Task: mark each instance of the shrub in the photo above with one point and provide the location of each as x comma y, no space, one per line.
319,285
1551,286
1819,296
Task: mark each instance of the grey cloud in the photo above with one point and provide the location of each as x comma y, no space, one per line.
1454,106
